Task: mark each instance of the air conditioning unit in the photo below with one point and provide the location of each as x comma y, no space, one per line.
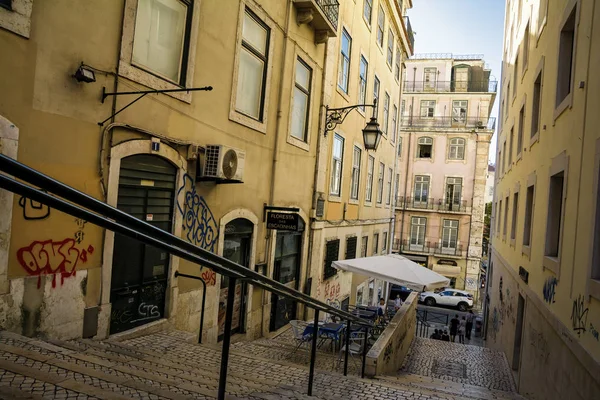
223,162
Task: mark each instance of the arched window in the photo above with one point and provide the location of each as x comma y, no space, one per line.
424,147
456,151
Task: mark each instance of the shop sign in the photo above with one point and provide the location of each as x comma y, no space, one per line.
282,221
447,262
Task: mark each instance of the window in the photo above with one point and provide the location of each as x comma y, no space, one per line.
368,11
390,49
508,106
505,226
450,235
504,157
565,58
520,132
511,145
397,64
159,43
380,183
394,123
384,244
537,105
376,93
429,78
336,169
515,215
7,4
554,224
386,113
351,243
389,186
301,103
459,111
421,189
400,146
424,147
453,193
418,226
363,246
515,74
370,172
332,252
542,12
498,224
526,48
355,173
427,108
362,84
528,216
252,72
396,185
375,243
344,71
402,108
456,151
380,27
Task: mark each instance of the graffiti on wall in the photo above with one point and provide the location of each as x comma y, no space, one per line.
579,315
199,224
470,284
32,210
549,289
332,290
594,332
495,323
539,344
209,277
50,257
79,234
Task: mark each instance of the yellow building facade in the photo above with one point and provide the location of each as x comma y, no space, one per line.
354,187
200,164
543,298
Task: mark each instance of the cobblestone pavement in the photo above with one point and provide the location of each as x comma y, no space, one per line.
460,363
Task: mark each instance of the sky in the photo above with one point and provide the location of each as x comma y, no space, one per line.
461,27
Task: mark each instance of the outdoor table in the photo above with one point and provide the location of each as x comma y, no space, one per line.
327,331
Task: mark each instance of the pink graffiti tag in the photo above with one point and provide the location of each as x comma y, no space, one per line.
52,257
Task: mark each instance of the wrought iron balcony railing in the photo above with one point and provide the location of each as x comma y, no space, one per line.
428,247
456,250
331,10
485,86
448,122
409,32
431,204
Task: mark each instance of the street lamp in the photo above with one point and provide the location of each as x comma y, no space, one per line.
371,132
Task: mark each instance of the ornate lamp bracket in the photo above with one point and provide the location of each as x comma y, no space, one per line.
336,116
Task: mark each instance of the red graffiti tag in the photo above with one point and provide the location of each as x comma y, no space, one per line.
52,257
209,277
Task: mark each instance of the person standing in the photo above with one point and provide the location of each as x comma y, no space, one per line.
397,302
462,326
469,327
454,322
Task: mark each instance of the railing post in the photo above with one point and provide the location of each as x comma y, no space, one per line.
226,338
313,352
347,348
364,358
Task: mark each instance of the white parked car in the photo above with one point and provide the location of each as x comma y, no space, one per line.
448,297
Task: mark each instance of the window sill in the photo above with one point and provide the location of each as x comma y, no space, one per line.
353,201
566,103
526,250
151,81
368,204
541,30
379,205
332,198
247,121
534,139
526,67
552,263
342,93
594,288
301,144
367,23
519,157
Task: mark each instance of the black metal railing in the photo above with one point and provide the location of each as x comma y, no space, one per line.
432,317
441,205
457,250
331,9
409,32
416,121
486,86
426,247
64,198
452,206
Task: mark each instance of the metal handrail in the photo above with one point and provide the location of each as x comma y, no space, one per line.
433,86
447,122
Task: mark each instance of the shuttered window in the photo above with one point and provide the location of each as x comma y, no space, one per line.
332,251
351,244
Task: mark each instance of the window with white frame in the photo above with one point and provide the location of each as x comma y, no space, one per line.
397,64
252,70
355,184
362,83
536,107
459,111
402,108
526,47
159,43
386,113
375,243
418,227
554,221
456,151
453,193
368,11
566,54
336,168
400,146
376,93
394,123
380,183
511,145
344,70
390,49
499,221
528,216
370,172
429,78
396,186
520,131
421,189
380,26
384,244
505,226
427,108
424,147
301,103
515,215
389,187
450,235
363,246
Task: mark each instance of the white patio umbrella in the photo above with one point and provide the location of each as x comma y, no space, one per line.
396,269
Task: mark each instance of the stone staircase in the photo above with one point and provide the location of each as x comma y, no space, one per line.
168,365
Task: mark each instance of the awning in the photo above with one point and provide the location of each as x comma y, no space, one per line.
396,269
447,270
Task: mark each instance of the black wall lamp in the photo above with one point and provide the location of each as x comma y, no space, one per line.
371,132
84,74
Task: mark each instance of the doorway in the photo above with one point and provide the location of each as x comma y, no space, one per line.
139,271
288,251
236,247
518,334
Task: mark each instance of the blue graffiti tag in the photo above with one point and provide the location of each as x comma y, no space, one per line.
198,221
550,289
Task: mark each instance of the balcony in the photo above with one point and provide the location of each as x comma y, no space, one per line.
409,33
439,205
408,121
487,86
428,247
321,14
